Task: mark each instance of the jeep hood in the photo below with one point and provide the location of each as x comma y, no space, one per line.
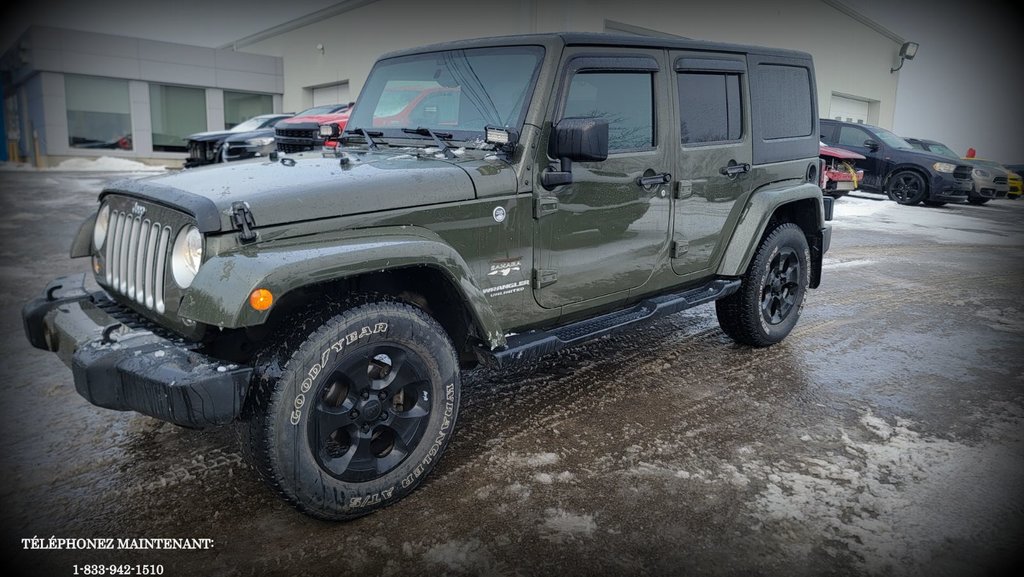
313,187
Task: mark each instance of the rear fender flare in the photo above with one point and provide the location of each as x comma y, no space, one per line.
763,203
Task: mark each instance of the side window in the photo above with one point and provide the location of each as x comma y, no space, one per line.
624,99
709,107
850,136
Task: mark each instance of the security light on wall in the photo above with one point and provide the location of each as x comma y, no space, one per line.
907,52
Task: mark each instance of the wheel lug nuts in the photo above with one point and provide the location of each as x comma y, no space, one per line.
384,416
366,395
354,414
382,395
365,428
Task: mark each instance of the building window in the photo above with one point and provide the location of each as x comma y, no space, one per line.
709,107
176,112
624,99
241,106
99,113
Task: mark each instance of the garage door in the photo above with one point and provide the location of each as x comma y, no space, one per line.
848,109
332,94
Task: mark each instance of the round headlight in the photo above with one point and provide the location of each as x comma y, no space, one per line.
99,232
186,255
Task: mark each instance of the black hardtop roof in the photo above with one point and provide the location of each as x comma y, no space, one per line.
601,39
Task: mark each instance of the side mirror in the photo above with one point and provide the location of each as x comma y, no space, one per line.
575,139
871,145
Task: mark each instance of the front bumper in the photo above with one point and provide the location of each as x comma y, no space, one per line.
119,367
234,152
947,188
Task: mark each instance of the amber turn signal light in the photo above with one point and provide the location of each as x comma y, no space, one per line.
261,299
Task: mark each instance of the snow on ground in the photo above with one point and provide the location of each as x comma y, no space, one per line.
950,224
561,526
101,164
874,498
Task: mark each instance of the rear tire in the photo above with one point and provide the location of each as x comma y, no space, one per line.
767,306
354,409
907,187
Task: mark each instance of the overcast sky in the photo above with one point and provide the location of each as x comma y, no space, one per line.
964,87
208,23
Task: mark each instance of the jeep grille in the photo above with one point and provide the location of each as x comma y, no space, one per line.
136,254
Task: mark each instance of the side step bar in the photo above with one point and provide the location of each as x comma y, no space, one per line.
535,344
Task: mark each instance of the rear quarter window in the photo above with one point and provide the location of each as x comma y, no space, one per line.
784,108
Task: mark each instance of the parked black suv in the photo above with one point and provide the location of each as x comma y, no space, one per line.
893,166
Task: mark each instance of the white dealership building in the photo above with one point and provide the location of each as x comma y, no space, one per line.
74,93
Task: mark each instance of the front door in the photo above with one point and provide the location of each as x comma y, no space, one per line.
853,138
604,233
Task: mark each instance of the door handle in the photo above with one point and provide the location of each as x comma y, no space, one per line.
734,169
654,180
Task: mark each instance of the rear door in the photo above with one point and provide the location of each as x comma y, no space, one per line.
713,155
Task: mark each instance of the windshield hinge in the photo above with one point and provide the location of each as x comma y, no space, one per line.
241,219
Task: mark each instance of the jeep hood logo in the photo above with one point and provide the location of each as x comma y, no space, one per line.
138,210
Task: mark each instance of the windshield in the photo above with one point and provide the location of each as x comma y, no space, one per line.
457,92
991,163
891,139
322,109
942,150
249,125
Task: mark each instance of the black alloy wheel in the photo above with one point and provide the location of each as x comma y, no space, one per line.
370,413
781,286
907,187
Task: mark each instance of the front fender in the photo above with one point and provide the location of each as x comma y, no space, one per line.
219,295
762,204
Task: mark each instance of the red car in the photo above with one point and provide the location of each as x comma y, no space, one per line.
838,174
302,131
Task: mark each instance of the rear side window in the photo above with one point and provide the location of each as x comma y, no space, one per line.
850,136
709,107
785,101
624,99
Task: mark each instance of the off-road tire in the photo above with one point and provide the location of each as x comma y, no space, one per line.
907,187
327,448
768,303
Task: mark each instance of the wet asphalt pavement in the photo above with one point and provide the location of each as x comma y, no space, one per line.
885,436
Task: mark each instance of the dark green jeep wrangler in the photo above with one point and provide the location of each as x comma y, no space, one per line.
491,201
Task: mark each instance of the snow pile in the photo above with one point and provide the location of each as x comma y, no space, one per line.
950,224
101,164
106,164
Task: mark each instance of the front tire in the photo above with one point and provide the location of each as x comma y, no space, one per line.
767,306
907,187
359,414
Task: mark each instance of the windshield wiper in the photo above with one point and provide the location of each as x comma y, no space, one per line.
437,136
368,135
